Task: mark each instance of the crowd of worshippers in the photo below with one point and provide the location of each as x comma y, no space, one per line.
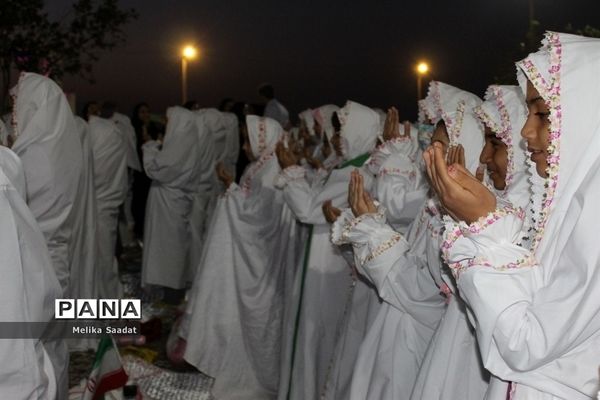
357,257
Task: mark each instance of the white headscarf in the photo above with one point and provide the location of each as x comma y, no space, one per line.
323,116
359,129
455,107
504,112
306,116
263,133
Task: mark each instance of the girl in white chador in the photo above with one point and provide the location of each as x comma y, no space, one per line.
454,344
110,181
177,170
84,283
29,287
531,278
326,280
385,365
233,322
47,142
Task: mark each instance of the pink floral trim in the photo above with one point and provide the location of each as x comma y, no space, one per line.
378,216
409,174
550,92
447,292
262,135
458,268
382,248
461,230
455,126
252,171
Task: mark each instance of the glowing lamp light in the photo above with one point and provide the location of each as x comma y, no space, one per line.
422,68
189,52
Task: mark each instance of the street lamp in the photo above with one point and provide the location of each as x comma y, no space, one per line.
422,69
188,53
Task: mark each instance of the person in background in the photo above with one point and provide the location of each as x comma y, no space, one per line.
145,130
47,142
273,108
191,105
90,108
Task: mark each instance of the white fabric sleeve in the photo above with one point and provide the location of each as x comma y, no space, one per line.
384,257
166,165
306,201
497,278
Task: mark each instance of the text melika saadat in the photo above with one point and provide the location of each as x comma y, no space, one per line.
111,330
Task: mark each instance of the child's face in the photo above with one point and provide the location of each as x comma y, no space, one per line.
495,156
536,130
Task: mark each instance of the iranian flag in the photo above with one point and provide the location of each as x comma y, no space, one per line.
107,374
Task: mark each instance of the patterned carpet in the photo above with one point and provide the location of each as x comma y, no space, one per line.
148,366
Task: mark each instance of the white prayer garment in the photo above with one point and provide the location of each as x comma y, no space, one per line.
277,111
126,220
205,194
386,363
84,282
28,289
177,171
128,132
110,182
48,145
533,292
504,113
454,342
237,304
326,276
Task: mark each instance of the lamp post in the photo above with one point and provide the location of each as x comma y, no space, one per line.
188,53
422,70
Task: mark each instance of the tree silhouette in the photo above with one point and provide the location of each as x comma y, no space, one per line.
68,46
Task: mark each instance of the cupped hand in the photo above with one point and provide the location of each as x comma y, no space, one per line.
331,213
224,175
285,156
461,194
360,201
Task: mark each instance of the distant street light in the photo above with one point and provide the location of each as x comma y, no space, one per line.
188,53
422,69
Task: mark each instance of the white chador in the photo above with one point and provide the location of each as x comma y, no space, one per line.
126,129
454,343
233,323
84,282
504,113
326,280
396,341
48,145
28,289
177,171
213,144
110,182
531,279
223,129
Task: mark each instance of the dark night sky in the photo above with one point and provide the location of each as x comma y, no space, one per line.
315,52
